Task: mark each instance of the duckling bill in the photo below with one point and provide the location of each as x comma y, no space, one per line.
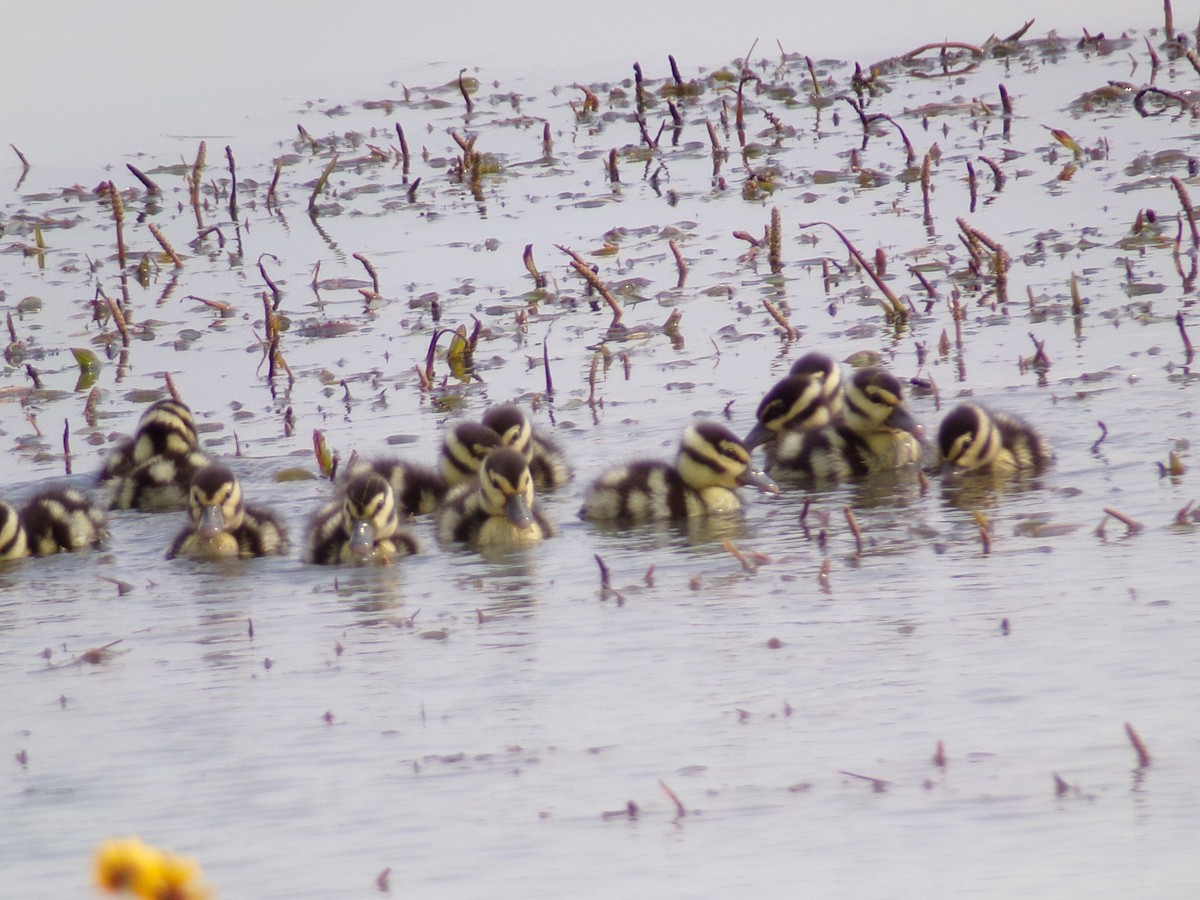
709,468
221,525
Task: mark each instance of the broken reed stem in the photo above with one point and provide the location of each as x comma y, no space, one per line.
118,317
275,291
614,176
545,362
789,331
539,280
897,308
591,400
89,407
366,263
320,185
197,169
405,157
1187,342
165,244
1186,202
680,264
775,241
462,87
680,811
547,141
118,209
926,188
812,73
852,522
731,548
1169,29
67,444
589,275
171,389
1132,526
1143,754
997,175
232,183
605,582
146,180
271,197
20,156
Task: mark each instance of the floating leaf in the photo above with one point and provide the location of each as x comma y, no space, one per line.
85,358
322,453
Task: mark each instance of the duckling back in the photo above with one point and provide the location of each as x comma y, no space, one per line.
157,484
166,428
59,520
546,461
974,438
417,489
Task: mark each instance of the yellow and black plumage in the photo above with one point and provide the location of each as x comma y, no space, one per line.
974,439
546,461
221,525
417,489
58,520
873,433
499,511
463,451
828,373
153,470
361,525
712,464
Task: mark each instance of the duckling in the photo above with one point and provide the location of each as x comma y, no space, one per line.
157,484
417,489
361,526
59,520
828,373
972,438
463,451
546,461
499,511
221,526
166,428
711,465
874,432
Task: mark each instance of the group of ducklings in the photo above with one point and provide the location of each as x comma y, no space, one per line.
813,426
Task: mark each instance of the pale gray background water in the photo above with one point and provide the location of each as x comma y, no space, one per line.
486,714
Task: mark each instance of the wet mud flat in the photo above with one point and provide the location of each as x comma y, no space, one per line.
917,705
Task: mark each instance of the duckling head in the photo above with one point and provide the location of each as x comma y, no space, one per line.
215,501
508,421
506,487
875,402
464,449
797,402
968,439
13,541
710,455
166,428
368,513
827,372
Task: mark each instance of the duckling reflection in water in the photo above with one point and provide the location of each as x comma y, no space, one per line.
712,464
221,525
546,462
873,433
499,511
974,439
59,520
362,525
153,470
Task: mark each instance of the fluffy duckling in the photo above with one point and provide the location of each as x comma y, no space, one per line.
828,372
221,525
974,439
711,465
417,489
463,451
874,432
59,520
497,513
361,526
154,469
546,461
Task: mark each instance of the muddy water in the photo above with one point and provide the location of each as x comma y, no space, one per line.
480,726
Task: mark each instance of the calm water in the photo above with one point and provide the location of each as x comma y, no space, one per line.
468,723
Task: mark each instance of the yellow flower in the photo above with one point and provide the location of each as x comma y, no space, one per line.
119,862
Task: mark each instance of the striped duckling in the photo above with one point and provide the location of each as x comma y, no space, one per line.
362,525
546,461
975,439
712,464
828,373
58,520
154,469
498,512
874,432
221,525
420,489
